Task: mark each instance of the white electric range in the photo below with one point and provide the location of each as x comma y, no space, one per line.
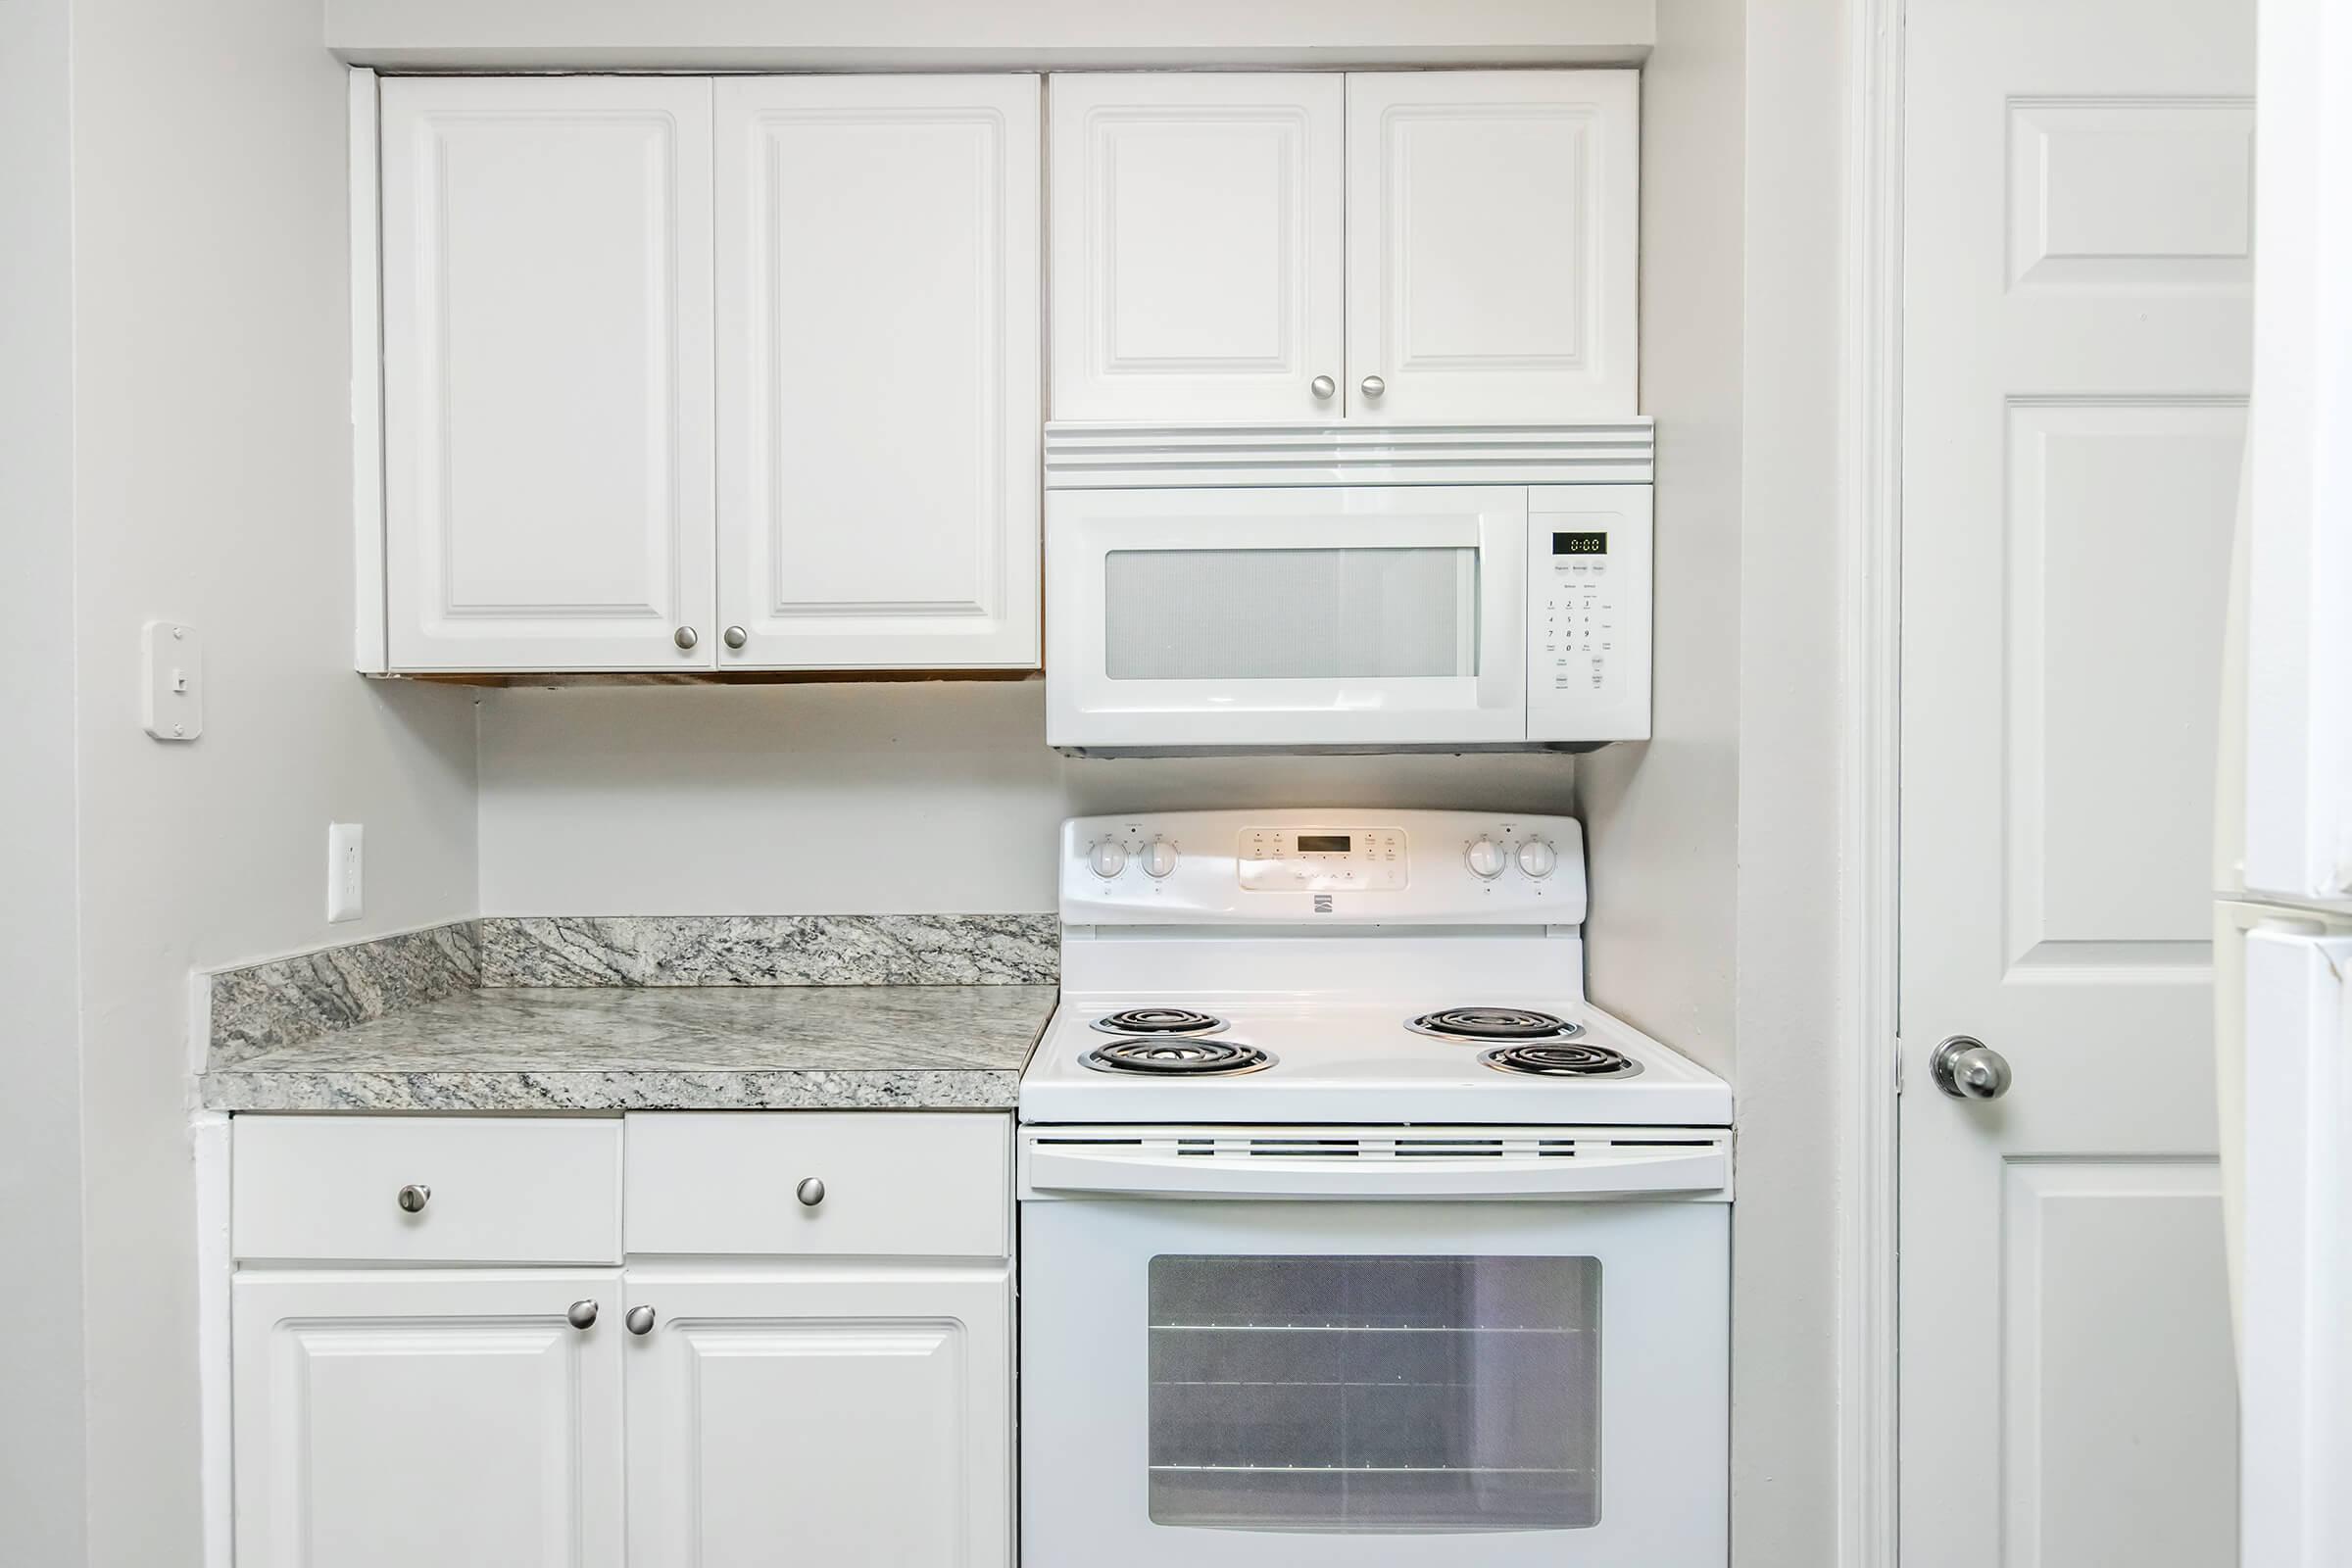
1350,1232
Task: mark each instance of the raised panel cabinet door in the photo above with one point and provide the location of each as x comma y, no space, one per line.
1492,245
838,1420
1196,232
392,1418
547,368
878,307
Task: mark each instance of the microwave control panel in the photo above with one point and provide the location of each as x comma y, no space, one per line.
1587,613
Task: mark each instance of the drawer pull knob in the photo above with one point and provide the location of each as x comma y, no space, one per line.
811,1191
639,1320
581,1314
414,1196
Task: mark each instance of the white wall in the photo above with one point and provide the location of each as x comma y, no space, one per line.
212,475
1785,1228
875,798
1661,816
40,1099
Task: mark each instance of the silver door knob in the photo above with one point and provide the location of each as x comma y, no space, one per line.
684,637
414,1196
639,1320
580,1314
1322,386
1967,1068
734,637
811,1191
1373,386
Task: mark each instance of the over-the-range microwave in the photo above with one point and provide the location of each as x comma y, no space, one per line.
1331,587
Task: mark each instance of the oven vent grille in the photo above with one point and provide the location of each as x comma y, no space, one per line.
1381,1146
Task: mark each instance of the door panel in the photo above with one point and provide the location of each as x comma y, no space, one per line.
1196,245
2076,339
878,307
547,372
1492,245
394,1418
822,1419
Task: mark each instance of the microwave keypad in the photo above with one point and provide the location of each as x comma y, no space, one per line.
1579,625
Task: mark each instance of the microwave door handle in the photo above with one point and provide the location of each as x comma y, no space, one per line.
1658,1172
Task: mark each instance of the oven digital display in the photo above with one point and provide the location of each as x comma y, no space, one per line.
1325,843
1580,544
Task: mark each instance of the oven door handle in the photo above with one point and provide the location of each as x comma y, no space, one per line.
1704,1171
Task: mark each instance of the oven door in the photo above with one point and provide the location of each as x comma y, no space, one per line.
1471,1383
1285,618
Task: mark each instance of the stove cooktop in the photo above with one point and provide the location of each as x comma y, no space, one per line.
1311,1060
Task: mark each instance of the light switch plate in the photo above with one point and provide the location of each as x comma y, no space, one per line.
344,862
172,696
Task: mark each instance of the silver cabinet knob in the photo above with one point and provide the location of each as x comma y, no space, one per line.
684,637
811,1191
1967,1068
1373,386
580,1314
639,1320
734,637
1322,386
414,1196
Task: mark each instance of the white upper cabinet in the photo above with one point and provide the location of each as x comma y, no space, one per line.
879,346
546,373
1492,245
1198,225
1469,237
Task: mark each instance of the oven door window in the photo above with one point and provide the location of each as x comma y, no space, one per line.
1323,614
1340,1393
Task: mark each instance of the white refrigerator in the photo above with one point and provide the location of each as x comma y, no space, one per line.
2284,910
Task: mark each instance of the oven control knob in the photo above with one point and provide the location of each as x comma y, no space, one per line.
1537,858
1108,858
1160,858
1485,858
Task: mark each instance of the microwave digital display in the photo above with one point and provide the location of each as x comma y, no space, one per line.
1324,843
1580,544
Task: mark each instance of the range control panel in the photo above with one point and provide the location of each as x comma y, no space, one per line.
1587,613
1392,867
1321,860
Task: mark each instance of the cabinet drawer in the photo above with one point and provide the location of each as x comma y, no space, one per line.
902,1183
513,1191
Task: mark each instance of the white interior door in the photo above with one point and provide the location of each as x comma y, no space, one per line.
1491,220
395,1417
878,309
546,373
1197,233
825,1419
2077,341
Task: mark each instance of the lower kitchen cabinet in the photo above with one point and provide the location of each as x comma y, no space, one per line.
835,1391
859,1421
398,1417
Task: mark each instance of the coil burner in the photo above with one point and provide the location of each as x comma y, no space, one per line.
1494,1023
1177,1058
1562,1062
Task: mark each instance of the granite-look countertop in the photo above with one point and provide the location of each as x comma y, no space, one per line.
672,1048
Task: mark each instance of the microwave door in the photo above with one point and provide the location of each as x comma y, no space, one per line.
1295,617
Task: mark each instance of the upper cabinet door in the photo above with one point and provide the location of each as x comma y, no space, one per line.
546,373
1492,245
878,308
1198,225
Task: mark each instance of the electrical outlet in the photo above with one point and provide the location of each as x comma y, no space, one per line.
344,862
